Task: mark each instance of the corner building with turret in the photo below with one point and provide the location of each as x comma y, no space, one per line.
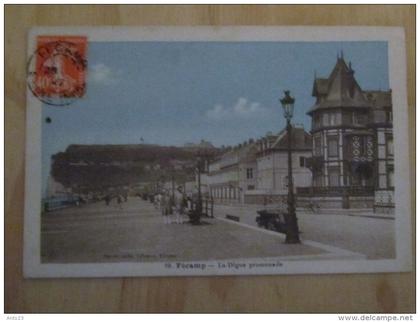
352,159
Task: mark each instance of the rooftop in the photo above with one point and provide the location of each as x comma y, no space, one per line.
341,89
301,140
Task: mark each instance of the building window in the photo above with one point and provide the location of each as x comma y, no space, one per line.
302,162
360,118
286,182
318,180
318,147
347,118
334,118
389,146
325,119
330,119
389,116
332,146
249,173
251,187
334,176
390,176
379,116
317,121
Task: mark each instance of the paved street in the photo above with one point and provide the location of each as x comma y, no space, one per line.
100,233
353,230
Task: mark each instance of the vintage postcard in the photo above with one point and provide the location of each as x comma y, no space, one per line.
162,151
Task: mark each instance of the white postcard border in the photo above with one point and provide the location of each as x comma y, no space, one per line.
397,71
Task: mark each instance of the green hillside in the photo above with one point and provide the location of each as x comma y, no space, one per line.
97,167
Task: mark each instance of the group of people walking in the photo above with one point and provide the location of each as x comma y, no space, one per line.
173,206
120,198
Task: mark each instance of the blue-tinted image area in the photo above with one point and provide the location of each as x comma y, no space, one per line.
172,93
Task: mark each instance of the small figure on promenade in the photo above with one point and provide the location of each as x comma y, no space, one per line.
107,199
119,202
164,207
189,203
157,201
179,205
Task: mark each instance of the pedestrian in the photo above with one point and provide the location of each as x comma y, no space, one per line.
189,203
119,202
164,207
178,205
157,200
107,200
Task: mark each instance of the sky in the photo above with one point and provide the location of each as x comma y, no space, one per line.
171,93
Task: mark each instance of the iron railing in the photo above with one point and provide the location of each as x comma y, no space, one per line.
336,191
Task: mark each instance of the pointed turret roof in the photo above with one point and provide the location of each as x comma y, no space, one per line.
340,89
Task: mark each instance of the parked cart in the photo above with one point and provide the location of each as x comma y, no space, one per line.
272,220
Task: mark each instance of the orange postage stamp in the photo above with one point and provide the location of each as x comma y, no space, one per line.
57,69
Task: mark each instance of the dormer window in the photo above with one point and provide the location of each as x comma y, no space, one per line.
360,118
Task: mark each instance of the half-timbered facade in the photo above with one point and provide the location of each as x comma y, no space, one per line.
352,141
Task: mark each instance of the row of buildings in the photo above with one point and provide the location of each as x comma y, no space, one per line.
256,171
345,161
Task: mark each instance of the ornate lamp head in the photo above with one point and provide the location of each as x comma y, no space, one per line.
288,103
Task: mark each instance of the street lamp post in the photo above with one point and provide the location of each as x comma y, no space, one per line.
198,209
292,230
